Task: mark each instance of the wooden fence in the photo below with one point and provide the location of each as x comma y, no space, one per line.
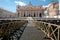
51,30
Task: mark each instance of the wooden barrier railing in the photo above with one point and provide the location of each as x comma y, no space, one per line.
51,30
7,28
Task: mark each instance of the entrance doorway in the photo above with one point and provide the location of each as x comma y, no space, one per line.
40,15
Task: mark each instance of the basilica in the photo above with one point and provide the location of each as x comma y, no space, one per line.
30,11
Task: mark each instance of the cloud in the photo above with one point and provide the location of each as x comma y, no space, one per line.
20,3
47,5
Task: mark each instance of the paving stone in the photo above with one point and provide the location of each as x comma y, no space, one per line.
32,33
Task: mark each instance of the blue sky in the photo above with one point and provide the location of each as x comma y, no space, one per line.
11,4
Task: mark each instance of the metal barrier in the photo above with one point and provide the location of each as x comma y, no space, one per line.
51,30
7,28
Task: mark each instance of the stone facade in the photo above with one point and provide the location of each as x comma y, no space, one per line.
53,10
4,13
30,11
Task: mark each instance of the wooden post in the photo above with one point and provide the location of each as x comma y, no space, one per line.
58,32
49,29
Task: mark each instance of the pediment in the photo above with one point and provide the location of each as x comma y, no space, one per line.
29,8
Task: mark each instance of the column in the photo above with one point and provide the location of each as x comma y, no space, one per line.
19,13
38,13
22,13
25,13
32,13
28,13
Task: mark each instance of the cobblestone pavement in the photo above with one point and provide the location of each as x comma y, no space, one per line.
32,33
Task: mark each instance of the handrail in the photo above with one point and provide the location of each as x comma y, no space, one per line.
51,30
